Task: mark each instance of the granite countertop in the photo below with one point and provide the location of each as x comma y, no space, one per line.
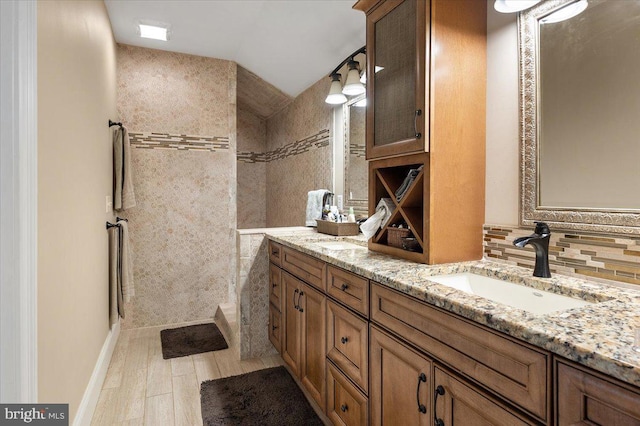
599,336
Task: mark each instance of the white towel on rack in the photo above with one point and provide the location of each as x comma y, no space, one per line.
126,265
114,280
123,195
314,206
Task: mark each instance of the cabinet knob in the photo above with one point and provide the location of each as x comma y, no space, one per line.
274,285
344,340
274,252
274,327
344,287
344,408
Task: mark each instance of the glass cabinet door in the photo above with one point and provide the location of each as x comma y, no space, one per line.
396,78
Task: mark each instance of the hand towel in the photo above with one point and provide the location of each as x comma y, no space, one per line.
383,213
314,206
126,265
408,180
123,196
114,275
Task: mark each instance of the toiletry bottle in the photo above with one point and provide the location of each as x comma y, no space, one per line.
325,212
352,217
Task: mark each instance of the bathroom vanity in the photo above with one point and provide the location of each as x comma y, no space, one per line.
373,341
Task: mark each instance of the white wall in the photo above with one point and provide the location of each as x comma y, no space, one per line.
503,147
76,97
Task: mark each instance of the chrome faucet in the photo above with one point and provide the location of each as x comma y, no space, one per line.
540,242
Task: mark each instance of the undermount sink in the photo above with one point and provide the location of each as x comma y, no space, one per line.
518,296
339,245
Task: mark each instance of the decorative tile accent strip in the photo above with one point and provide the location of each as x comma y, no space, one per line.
357,150
607,256
179,142
301,146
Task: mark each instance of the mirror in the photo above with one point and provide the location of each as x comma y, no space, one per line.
356,176
580,98
351,171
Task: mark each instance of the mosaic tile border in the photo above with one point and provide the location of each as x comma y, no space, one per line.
605,256
357,150
152,140
318,140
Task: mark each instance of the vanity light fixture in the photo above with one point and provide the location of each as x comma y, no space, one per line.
155,32
511,6
567,12
335,97
353,86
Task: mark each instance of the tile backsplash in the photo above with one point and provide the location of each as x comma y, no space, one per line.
605,256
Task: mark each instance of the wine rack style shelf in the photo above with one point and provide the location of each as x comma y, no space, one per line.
385,177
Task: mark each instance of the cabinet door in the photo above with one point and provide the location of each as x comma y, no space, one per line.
291,321
346,404
400,388
396,50
275,327
458,403
587,399
275,289
313,308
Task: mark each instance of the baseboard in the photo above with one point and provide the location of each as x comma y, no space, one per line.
92,392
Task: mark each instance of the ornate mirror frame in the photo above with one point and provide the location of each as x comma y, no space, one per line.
587,219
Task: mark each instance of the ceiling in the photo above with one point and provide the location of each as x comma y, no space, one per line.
291,44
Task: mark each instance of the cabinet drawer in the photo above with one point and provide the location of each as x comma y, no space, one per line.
275,286
349,289
275,328
584,398
346,405
515,372
347,343
305,267
275,253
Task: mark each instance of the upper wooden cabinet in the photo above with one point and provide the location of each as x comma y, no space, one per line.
426,105
396,78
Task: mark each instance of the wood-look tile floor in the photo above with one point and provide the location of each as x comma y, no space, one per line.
141,388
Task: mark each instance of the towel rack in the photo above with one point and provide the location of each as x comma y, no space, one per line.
113,123
112,225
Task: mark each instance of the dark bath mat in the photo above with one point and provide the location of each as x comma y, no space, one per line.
262,398
190,340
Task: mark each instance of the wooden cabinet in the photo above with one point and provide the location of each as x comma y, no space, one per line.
396,66
459,403
275,286
428,96
588,398
348,344
346,404
303,343
349,289
305,267
275,328
400,391
515,371
275,251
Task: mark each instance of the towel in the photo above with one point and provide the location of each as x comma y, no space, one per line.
408,180
383,213
126,266
123,196
314,206
116,308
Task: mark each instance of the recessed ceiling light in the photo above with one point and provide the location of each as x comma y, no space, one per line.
155,32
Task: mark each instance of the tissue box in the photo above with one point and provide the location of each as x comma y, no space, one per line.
338,228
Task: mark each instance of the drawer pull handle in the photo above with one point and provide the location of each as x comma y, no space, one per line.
415,123
421,378
344,287
344,340
439,391
295,305
300,297
274,252
344,408
274,327
274,285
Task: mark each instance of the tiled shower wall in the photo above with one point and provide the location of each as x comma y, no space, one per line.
252,170
610,257
300,157
181,112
